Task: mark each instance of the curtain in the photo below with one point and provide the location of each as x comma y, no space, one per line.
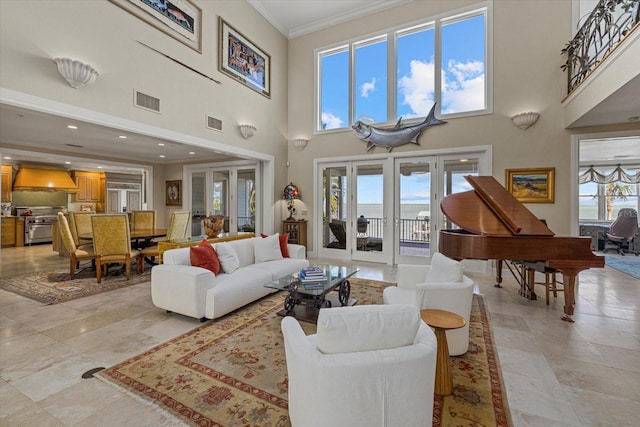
618,175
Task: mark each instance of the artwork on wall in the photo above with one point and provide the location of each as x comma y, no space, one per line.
242,60
173,193
534,185
181,19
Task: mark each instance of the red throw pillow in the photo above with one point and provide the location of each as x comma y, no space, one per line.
284,239
205,256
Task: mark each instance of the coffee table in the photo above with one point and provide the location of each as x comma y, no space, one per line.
305,303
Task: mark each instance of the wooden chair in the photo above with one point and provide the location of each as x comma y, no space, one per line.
143,220
178,227
76,254
80,223
112,244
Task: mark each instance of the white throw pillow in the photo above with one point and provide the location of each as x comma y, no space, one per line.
444,269
228,257
366,328
267,249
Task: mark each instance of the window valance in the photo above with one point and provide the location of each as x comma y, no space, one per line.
617,175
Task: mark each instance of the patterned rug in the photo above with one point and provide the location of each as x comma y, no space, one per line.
54,287
629,264
232,371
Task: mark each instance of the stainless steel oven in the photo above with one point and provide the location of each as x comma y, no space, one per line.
38,223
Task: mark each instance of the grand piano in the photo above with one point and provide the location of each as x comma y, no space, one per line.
495,225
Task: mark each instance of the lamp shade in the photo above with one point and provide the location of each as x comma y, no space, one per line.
291,192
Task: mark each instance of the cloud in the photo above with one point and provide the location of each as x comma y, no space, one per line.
462,89
368,87
331,121
418,195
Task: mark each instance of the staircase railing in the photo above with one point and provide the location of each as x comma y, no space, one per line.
603,30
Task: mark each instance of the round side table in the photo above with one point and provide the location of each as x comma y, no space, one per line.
441,321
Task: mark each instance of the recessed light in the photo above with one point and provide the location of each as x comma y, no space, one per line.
464,160
99,167
7,158
122,136
192,152
72,127
67,163
161,144
162,156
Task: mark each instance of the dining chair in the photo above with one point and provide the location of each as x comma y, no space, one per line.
112,244
76,254
143,220
178,227
80,223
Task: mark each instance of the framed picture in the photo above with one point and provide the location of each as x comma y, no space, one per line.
181,19
534,185
242,60
173,193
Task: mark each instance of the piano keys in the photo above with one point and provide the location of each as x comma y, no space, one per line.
495,225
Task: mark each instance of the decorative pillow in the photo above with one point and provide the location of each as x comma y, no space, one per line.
444,269
366,328
267,248
229,260
284,239
205,256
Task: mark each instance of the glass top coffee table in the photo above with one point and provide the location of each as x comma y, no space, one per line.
305,301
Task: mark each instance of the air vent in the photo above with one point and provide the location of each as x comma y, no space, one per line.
147,102
213,123
74,145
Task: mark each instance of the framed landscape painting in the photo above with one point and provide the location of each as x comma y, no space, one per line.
242,60
534,185
181,19
173,193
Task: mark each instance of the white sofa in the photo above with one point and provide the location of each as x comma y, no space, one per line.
447,289
179,287
369,365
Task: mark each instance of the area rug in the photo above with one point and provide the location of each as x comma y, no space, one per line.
232,371
54,287
629,264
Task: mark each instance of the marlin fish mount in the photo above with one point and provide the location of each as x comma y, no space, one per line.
399,135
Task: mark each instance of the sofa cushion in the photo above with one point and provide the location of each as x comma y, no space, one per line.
205,256
284,239
444,269
228,257
244,250
267,249
366,327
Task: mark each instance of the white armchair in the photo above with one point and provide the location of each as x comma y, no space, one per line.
370,365
445,289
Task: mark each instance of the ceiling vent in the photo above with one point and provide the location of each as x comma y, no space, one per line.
147,102
213,123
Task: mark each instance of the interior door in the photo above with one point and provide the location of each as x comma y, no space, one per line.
415,192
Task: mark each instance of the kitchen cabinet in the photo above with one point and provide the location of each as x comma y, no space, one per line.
297,231
90,186
7,180
8,231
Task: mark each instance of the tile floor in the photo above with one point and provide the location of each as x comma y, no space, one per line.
556,374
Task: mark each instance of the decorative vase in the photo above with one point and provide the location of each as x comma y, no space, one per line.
213,225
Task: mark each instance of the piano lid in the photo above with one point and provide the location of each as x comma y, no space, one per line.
489,209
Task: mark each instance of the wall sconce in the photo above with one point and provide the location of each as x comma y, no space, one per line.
75,72
291,193
247,131
525,120
300,143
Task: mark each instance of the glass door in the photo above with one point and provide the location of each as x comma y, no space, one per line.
334,196
371,230
413,205
246,200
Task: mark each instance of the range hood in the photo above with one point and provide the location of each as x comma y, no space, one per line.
43,178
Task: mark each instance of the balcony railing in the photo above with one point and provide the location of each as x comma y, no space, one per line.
411,230
603,30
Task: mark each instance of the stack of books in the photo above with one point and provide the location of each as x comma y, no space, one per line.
312,277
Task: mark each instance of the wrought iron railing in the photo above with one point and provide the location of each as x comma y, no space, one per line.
609,23
411,230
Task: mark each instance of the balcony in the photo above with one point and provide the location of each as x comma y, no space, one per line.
603,66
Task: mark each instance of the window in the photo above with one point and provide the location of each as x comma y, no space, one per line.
442,60
601,202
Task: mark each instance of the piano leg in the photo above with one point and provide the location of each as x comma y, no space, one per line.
569,282
498,274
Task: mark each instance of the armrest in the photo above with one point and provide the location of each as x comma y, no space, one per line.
451,296
296,251
409,275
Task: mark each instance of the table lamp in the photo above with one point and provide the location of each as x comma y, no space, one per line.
291,193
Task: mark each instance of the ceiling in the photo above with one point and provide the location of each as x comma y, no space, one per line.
91,147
